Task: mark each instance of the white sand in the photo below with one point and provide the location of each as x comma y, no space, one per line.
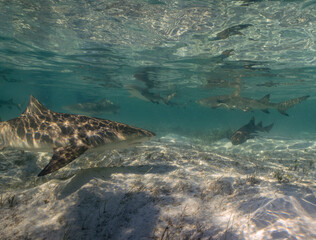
165,189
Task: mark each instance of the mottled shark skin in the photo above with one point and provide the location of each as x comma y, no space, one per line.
68,135
246,132
235,101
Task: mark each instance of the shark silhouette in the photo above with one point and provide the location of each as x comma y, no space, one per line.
235,101
93,108
148,96
68,135
245,132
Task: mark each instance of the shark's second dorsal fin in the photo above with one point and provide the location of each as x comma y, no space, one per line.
35,107
252,121
265,99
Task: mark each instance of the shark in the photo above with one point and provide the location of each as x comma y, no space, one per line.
93,108
245,132
68,136
235,101
148,96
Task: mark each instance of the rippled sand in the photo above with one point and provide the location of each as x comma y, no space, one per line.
168,188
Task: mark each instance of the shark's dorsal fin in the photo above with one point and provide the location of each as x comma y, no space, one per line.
265,99
35,107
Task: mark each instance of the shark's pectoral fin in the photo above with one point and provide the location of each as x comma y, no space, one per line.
283,111
61,157
265,110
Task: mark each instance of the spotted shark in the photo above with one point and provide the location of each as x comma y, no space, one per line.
67,135
246,132
235,101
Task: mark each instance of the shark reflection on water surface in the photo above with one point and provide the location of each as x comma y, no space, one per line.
68,135
235,101
93,108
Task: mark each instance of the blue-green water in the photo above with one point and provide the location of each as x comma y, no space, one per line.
65,52
189,182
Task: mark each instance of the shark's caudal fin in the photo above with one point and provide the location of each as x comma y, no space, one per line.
283,106
61,157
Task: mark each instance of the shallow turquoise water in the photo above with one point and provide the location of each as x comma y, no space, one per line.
189,178
69,52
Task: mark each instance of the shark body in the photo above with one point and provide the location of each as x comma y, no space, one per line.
148,96
93,108
246,132
67,135
235,101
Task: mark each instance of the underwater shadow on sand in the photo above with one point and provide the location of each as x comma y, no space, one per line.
104,173
292,204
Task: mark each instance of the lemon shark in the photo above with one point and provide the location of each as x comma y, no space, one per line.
67,135
235,101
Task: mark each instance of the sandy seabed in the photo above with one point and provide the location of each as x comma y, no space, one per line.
168,188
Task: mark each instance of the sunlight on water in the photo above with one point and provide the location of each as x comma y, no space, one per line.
193,72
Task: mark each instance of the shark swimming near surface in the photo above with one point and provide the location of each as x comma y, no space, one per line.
235,101
93,108
245,132
68,135
146,95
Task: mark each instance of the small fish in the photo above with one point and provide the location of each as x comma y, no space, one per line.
245,132
67,135
235,101
93,108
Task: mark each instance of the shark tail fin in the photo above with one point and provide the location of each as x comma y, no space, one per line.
283,106
169,97
268,128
